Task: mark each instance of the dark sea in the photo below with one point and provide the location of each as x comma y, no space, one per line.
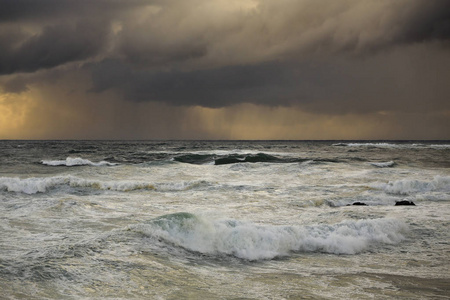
224,220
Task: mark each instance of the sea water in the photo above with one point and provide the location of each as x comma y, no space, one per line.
224,220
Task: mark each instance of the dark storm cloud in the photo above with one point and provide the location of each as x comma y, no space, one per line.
56,45
401,81
207,34
14,10
211,88
429,21
333,56
44,34
196,34
328,55
224,68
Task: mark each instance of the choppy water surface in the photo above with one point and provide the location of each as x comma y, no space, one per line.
223,220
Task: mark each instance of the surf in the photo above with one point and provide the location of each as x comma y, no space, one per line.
250,241
76,161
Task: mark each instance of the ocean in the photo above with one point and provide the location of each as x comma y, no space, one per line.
224,220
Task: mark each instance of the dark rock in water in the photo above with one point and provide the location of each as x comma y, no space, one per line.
359,203
404,202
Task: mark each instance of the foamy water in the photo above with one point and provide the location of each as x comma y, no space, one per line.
76,161
250,241
220,220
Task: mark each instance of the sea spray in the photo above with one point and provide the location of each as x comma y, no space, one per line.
251,241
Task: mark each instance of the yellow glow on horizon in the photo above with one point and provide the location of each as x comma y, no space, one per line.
51,112
13,112
249,121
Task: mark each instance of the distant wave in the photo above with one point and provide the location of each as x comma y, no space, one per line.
252,158
76,161
382,145
197,159
203,158
407,186
35,185
387,164
250,241
440,146
234,158
391,145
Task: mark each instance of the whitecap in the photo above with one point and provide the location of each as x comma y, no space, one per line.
387,164
440,146
392,145
31,185
255,242
380,145
35,185
76,161
407,186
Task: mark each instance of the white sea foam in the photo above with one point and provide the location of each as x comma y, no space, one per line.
380,145
41,185
407,186
76,161
391,145
180,185
254,242
30,185
440,146
387,164
35,185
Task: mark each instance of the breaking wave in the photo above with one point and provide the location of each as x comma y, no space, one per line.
392,145
387,164
76,161
41,185
381,145
250,241
440,146
407,186
36,185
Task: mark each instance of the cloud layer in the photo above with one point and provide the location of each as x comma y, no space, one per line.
323,58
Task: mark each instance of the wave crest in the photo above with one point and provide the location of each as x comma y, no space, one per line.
76,161
35,185
392,145
387,164
407,186
41,185
250,241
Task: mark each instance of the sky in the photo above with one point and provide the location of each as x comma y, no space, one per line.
224,69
